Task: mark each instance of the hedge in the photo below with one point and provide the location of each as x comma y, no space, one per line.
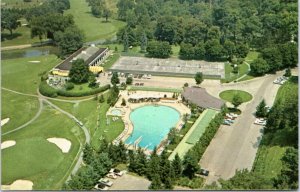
49,91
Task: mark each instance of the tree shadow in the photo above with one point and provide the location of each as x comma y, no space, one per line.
7,36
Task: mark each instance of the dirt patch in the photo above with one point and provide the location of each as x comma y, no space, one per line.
4,121
18,185
34,61
63,144
7,144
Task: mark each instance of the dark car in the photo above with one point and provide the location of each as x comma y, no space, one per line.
204,172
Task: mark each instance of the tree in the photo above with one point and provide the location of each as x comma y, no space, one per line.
126,42
242,50
259,67
288,72
69,86
101,98
159,49
199,78
273,57
92,81
261,110
229,48
199,51
213,50
190,164
115,78
177,166
88,154
129,80
186,51
144,42
70,40
156,183
172,135
79,72
9,20
236,100
106,13
123,102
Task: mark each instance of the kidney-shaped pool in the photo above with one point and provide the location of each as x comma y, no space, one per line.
151,124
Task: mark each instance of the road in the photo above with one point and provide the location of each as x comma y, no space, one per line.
234,147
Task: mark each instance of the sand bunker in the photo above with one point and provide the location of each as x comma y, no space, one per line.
18,185
63,144
4,121
34,61
7,144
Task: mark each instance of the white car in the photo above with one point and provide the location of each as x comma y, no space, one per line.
233,115
111,175
101,187
260,122
106,182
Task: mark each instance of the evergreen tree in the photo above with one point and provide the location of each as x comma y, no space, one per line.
190,165
101,99
115,78
261,110
156,183
144,42
103,144
88,153
288,72
199,78
126,42
177,166
141,163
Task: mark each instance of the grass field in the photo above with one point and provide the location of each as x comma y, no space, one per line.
88,113
34,158
194,134
110,61
228,95
201,126
20,36
252,55
94,28
229,76
20,109
21,75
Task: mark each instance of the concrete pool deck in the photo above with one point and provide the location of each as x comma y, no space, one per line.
176,104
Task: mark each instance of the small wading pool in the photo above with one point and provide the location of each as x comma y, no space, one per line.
116,112
151,125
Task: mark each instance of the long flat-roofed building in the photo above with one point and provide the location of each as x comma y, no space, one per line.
92,56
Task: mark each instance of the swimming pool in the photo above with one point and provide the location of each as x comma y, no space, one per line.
151,124
116,112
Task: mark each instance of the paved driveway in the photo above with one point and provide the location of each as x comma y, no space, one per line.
234,147
130,182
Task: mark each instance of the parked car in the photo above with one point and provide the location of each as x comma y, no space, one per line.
233,115
229,120
260,122
111,175
204,172
106,182
101,187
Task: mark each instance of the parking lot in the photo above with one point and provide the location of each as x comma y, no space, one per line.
130,182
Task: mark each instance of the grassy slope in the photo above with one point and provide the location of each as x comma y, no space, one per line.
21,75
20,109
94,28
88,113
34,158
228,95
272,148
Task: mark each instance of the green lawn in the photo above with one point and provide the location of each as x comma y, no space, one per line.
88,113
229,76
94,28
20,109
24,76
34,158
228,95
252,55
108,63
20,36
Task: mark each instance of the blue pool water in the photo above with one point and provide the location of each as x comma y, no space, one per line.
152,124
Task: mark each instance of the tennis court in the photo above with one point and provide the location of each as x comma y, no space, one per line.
194,134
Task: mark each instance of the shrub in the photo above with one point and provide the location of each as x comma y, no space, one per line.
69,86
47,90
